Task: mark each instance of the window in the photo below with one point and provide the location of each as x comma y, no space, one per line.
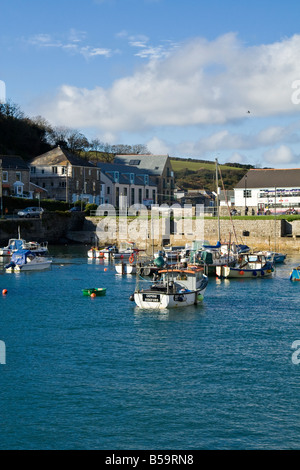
33,169
108,190
125,191
153,195
147,193
18,176
54,170
131,178
146,179
5,176
247,193
132,196
134,162
140,195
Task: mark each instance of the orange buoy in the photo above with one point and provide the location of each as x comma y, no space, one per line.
105,269
4,292
242,273
93,295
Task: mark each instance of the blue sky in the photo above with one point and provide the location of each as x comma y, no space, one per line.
178,76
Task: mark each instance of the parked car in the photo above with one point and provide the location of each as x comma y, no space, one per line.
31,212
291,211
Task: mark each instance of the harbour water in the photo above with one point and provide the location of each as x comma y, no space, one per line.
85,373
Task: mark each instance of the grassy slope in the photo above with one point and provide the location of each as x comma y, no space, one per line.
201,175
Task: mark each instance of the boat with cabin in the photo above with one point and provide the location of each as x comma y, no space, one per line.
248,265
176,288
15,244
26,260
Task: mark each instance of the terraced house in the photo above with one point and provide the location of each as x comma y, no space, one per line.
159,168
15,176
66,177
124,186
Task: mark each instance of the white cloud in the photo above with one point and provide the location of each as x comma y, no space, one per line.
199,82
72,43
159,147
280,155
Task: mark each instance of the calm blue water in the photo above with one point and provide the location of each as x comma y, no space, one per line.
86,373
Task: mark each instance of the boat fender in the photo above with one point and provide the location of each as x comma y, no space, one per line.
131,297
131,258
254,273
242,273
262,273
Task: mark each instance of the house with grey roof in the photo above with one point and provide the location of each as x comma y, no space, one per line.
66,177
160,170
263,190
125,185
14,176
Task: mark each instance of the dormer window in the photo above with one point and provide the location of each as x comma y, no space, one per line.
116,176
131,178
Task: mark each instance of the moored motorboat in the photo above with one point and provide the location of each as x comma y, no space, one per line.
15,244
26,260
276,257
248,265
125,251
213,258
177,288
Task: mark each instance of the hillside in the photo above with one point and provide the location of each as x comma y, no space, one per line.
201,174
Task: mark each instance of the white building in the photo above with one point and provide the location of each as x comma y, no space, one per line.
123,186
267,189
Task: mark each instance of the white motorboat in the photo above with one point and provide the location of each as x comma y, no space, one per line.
25,260
125,251
15,244
177,288
99,253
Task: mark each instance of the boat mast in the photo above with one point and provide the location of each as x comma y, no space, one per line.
218,212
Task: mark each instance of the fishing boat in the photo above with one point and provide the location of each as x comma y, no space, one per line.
15,244
277,258
248,265
213,258
26,260
98,292
177,288
172,253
